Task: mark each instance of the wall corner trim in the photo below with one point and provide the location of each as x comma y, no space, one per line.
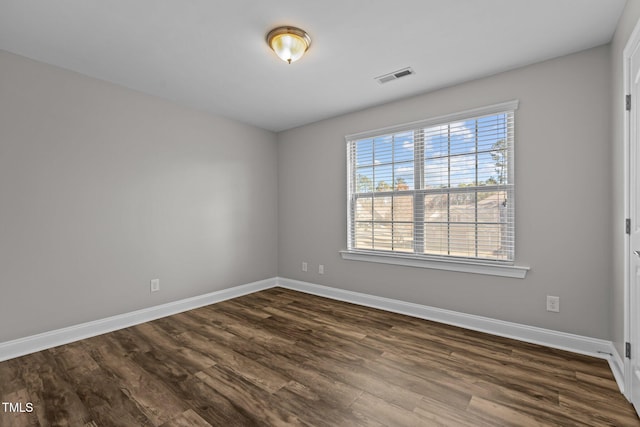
617,367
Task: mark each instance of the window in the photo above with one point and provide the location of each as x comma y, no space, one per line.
439,189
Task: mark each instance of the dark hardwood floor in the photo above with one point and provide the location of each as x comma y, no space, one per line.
280,357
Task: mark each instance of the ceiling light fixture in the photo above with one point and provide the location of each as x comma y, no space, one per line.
289,43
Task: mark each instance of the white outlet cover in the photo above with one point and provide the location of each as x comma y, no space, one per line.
155,285
553,303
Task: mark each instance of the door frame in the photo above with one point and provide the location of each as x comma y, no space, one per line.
632,43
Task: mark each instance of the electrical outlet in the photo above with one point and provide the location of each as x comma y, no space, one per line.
553,303
155,285
304,266
321,269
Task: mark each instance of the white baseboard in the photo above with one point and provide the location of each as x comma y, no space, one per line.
561,340
617,367
45,340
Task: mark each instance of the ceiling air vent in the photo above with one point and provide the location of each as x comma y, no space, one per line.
395,75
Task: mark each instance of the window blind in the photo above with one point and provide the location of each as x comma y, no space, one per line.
435,188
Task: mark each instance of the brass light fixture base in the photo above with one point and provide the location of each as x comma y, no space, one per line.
289,43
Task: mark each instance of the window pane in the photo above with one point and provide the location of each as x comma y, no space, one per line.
490,130
403,237
436,141
500,164
403,176
403,147
383,177
382,208
492,206
487,169
364,152
436,173
403,208
436,239
364,209
462,207
436,208
490,242
382,149
382,236
463,170
364,180
462,137
364,235
462,239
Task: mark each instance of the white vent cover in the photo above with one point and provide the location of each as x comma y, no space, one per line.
395,75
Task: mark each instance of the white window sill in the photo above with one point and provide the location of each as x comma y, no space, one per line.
504,270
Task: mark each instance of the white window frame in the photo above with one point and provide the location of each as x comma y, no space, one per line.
468,265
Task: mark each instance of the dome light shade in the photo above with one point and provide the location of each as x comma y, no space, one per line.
289,43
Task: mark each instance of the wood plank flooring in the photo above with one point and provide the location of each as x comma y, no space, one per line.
280,357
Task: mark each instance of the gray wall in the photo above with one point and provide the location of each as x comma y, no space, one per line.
563,199
626,24
103,189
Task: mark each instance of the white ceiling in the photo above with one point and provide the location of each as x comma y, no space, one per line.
211,54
